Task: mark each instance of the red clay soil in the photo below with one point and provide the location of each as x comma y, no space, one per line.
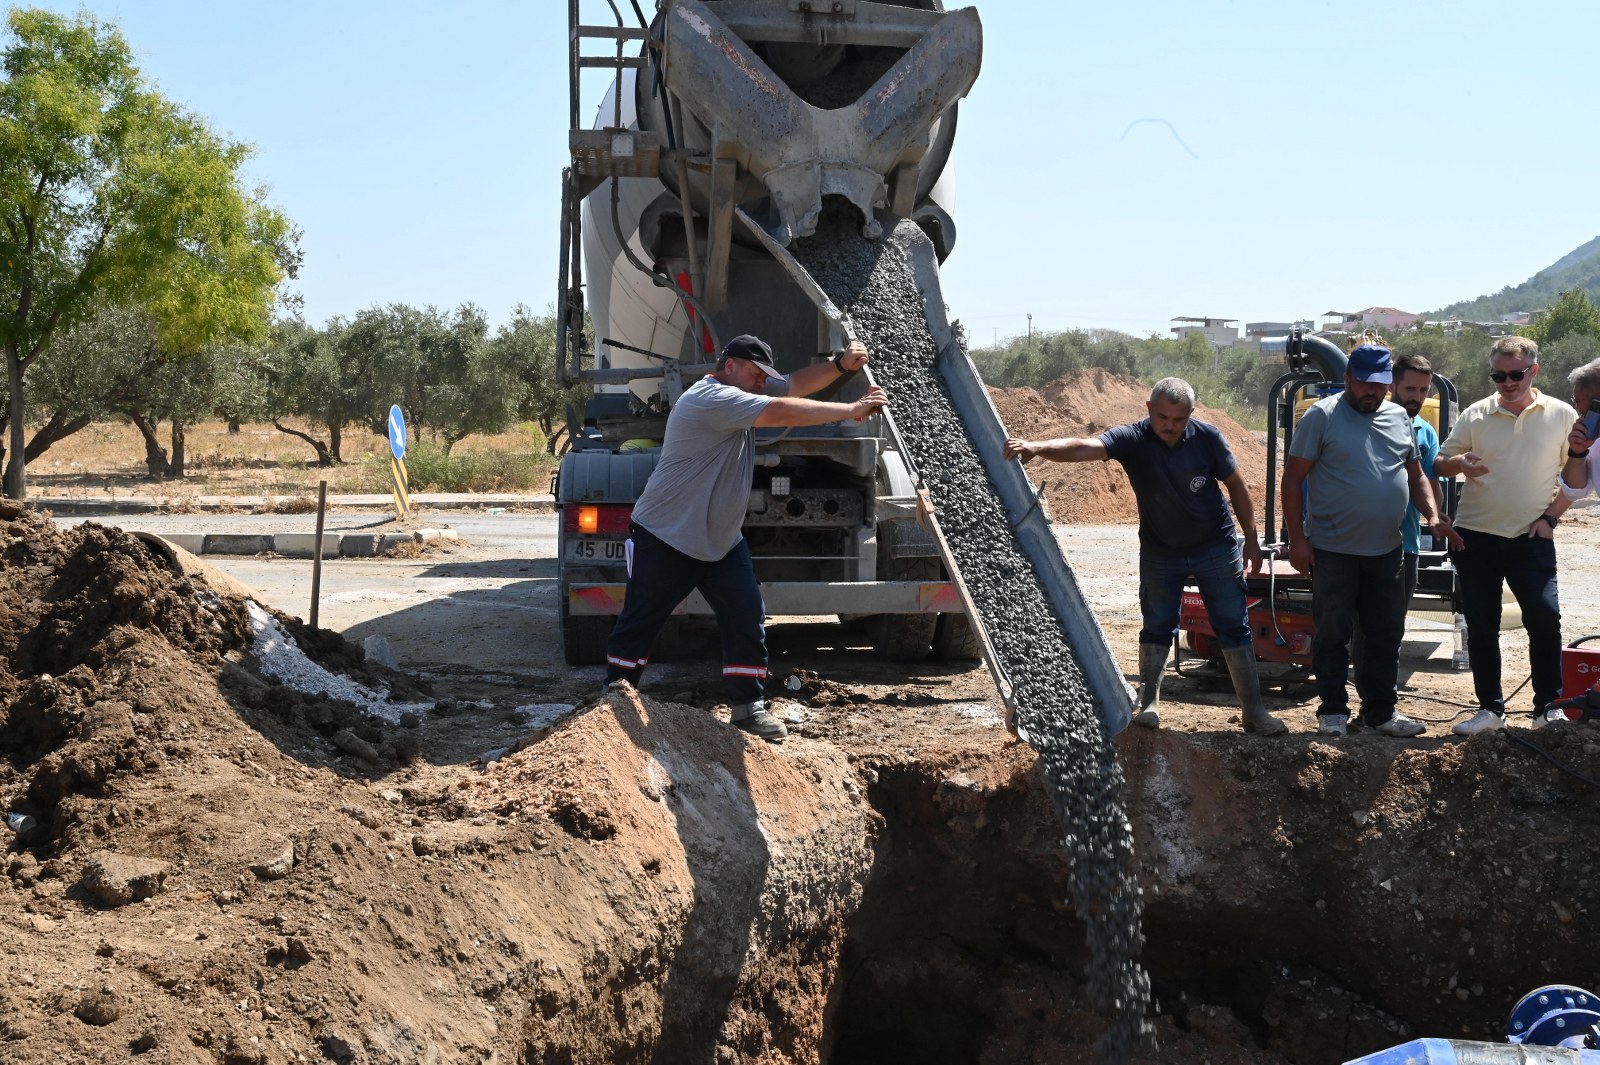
1087,403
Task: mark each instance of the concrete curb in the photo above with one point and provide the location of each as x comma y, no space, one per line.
302,545
85,506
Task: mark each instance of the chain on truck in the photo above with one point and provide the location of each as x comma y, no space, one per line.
693,150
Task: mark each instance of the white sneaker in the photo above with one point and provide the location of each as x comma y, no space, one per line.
1402,726
1482,721
1550,716
1332,725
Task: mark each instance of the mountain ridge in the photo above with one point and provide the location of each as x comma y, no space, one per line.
1579,268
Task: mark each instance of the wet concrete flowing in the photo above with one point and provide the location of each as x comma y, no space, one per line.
873,282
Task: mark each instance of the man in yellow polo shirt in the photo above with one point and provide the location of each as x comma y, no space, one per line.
1511,446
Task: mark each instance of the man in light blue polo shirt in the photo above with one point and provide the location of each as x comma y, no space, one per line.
1356,453
1413,377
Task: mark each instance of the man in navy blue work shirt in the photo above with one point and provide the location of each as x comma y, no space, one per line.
1178,468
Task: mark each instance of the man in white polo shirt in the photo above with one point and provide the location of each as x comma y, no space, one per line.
1511,447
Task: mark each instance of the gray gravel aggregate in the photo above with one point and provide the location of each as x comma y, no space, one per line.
874,283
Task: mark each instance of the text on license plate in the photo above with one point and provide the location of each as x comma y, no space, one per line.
612,551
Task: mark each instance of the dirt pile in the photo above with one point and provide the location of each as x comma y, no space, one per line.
1087,403
230,871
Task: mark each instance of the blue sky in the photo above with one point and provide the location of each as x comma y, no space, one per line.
1117,164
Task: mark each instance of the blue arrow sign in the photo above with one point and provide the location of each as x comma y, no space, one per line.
397,431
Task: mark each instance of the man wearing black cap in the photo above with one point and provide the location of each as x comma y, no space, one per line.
686,526
1357,455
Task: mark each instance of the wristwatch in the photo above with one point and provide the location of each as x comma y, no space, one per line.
1571,454
838,363
1549,519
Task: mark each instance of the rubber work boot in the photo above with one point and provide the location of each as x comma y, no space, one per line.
754,719
1152,663
1247,686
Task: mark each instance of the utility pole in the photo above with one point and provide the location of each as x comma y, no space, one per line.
1030,330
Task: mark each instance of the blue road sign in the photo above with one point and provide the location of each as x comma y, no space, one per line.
397,431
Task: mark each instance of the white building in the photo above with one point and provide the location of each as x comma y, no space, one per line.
1219,332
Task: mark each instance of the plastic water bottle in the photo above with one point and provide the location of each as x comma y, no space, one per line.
1458,657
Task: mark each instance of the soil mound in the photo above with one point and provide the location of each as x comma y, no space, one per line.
114,664
1087,403
156,772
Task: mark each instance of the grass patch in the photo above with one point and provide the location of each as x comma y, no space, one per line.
429,469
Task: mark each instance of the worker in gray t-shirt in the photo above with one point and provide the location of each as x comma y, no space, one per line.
1356,453
686,526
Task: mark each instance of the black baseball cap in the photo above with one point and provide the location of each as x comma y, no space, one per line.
752,349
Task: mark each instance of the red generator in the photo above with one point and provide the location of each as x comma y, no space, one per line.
1580,682
1282,635
1279,610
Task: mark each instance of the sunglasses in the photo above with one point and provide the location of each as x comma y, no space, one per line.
1500,376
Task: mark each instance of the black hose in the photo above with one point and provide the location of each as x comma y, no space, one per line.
1547,756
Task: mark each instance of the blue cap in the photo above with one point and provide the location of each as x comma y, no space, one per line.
1370,362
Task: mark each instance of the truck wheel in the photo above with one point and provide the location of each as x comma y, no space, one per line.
954,639
906,637
583,639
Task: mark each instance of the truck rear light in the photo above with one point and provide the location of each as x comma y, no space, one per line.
592,519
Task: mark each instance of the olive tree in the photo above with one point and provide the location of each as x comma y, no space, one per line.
112,194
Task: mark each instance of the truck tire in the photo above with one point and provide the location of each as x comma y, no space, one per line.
906,637
955,640
583,639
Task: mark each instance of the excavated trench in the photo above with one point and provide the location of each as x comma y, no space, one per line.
1302,903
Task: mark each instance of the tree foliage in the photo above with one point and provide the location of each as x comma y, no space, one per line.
1571,313
113,365
111,194
1239,380
445,371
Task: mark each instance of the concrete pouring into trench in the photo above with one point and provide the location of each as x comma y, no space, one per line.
229,870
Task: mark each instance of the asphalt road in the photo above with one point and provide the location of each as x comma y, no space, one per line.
477,607
488,605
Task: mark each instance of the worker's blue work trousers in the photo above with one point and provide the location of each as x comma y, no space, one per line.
1218,571
1346,591
661,578
1526,565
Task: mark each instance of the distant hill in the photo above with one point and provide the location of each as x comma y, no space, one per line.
1579,268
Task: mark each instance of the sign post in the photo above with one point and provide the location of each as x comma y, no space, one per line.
397,465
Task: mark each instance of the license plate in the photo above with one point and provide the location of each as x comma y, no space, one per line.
611,552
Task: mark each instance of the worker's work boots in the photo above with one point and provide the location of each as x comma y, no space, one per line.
1152,663
1247,685
754,719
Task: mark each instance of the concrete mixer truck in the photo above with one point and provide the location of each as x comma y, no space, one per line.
719,114
732,135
